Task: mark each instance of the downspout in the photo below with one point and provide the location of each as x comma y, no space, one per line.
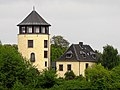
49,62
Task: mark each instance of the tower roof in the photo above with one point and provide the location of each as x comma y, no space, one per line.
33,19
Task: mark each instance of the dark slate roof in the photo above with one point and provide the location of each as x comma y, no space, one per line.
33,19
80,52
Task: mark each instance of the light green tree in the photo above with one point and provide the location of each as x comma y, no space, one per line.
99,77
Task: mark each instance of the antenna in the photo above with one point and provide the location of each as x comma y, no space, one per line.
33,8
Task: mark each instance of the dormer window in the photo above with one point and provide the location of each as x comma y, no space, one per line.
83,54
29,29
42,29
94,56
69,54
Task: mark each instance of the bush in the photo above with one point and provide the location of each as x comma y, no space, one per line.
69,75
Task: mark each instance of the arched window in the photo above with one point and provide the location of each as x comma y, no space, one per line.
32,57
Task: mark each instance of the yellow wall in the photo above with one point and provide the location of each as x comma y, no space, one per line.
77,67
38,48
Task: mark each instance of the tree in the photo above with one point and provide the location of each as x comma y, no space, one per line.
58,47
99,77
57,51
110,57
69,75
14,68
115,72
47,79
59,41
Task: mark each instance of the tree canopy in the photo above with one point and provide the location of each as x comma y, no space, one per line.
17,73
58,47
110,57
59,41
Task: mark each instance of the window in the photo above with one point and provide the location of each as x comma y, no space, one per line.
69,54
29,29
83,54
47,30
32,57
36,29
86,65
42,29
45,54
45,43
45,63
23,29
30,43
69,67
60,67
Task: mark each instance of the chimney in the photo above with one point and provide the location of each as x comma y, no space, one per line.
81,44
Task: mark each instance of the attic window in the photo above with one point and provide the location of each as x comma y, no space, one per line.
93,55
83,54
69,54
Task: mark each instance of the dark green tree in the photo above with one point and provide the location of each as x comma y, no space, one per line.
47,79
14,68
69,75
110,57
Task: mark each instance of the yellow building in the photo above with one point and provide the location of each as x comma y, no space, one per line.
34,40
77,58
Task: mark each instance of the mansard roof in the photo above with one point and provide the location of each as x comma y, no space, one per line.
33,19
79,52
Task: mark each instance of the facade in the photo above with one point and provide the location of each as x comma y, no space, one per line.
77,58
34,40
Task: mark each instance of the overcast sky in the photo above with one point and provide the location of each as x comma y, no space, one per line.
95,22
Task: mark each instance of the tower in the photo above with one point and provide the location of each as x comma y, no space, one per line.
34,40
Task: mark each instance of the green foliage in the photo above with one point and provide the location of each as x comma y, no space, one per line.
69,75
47,78
72,85
59,41
110,57
99,77
17,74
57,51
58,47
14,68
